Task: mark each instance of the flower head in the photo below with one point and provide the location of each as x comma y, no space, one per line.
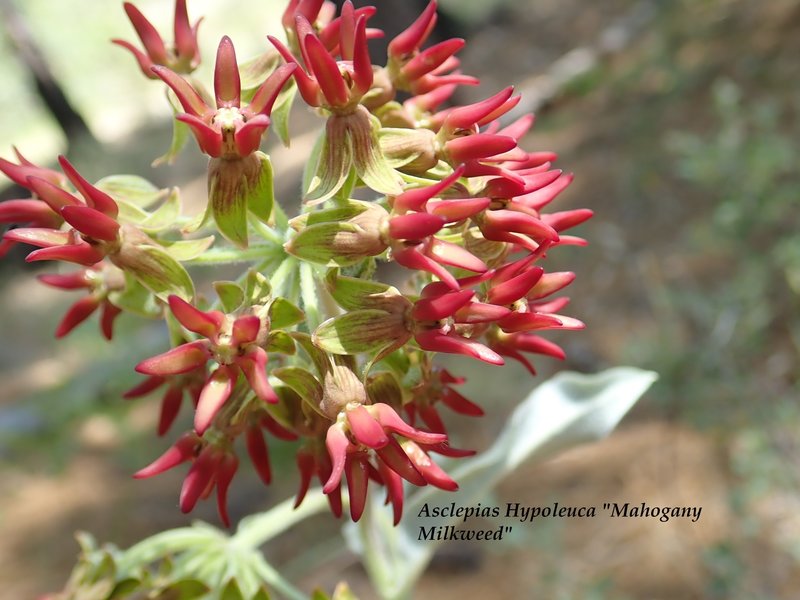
421,71
182,57
100,280
335,85
230,130
236,345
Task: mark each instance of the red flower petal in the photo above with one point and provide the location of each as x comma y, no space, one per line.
456,402
190,100
357,480
77,314
180,359
391,421
436,341
326,71
95,198
91,222
170,406
254,366
440,307
431,58
480,145
515,288
414,226
415,199
337,444
227,85
107,318
465,117
185,34
199,478
268,92
259,456
415,35
145,387
179,452
432,472
392,456
224,475
80,253
207,324
215,393
151,40
305,464
365,428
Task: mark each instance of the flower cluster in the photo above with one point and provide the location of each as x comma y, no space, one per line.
308,345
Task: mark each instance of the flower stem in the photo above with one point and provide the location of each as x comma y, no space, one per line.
257,529
229,255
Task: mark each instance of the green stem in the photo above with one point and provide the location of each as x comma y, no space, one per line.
310,296
282,279
257,529
268,233
281,220
220,256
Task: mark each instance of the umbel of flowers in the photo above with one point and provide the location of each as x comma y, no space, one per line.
308,345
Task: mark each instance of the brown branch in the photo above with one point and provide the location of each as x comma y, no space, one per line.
48,88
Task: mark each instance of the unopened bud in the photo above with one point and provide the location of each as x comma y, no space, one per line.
412,150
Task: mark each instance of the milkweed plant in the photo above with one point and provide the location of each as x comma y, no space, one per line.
310,343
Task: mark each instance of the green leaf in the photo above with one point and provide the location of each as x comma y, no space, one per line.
86,542
370,164
180,134
106,569
261,594
283,278
281,111
188,589
335,161
281,342
165,215
230,295
311,165
310,295
355,294
302,382
156,270
184,250
258,289
261,192
135,299
343,592
329,244
359,331
383,387
397,146
285,412
231,591
317,356
199,220
132,189
398,362
340,213
130,213
565,411
254,72
125,588
283,313
227,198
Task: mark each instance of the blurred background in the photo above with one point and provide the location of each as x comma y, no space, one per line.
679,119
